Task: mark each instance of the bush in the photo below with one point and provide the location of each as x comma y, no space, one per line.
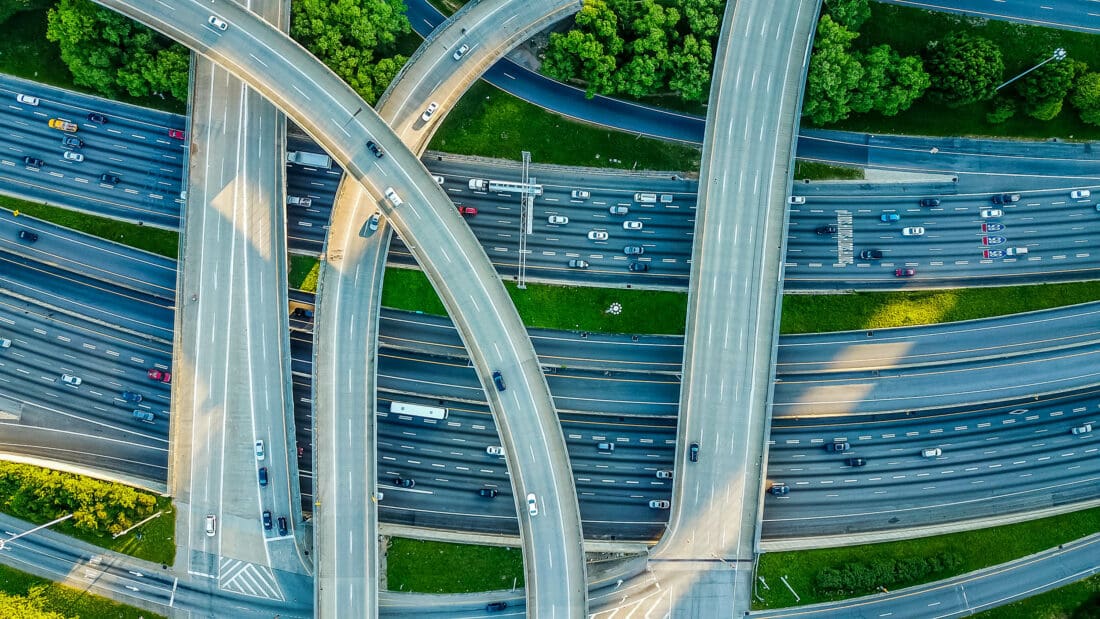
862,578
1003,109
965,69
40,495
1086,98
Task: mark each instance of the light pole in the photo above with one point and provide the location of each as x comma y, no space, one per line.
1059,54
29,531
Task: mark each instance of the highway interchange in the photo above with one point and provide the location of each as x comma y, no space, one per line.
1057,412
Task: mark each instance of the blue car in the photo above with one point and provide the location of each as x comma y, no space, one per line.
130,396
889,217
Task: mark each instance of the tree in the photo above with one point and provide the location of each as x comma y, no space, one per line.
1044,89
26,607
578,55
848,13
833,76
111,53
965,69
1003,109
1086,98
357,39
890,83
690,69
703,17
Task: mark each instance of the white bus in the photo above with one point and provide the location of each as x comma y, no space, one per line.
429,412
510,187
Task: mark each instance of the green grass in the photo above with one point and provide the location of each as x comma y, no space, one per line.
814,171
1080,600
977,549
879,310
155,240
491,123
66,600
300,272
1021,46
438,567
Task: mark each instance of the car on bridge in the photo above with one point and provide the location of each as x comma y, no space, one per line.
220,24
267,520
532,504
693,452
427,115
461,51
375,149
498,380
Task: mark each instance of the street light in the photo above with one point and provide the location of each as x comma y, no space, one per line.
29,531
1059,54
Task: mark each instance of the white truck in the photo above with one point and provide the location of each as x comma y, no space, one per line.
479,183
648,198
304,202
314,160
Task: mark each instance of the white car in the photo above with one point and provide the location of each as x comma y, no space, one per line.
26,99
439,179
532,504
5,342
494,450
664,474
632,225
796,200
579,194
912,231
1080,194
931,452
217,23
69,379
560,220
427,115
597,235
659,504
211,525
73,156
460,52
619,209
1083,429
259,450
392,196
989,213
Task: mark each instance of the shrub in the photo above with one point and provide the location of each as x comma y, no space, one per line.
861,578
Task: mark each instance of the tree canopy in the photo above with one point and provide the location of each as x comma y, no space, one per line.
1086,98
11,7
848,13
833,76
357,39
638,47
965,69
1044,89
111,53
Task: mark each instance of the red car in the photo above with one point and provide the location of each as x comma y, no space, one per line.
467,211
904,272
176,133
155,374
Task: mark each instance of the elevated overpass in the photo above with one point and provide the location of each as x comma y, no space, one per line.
342,123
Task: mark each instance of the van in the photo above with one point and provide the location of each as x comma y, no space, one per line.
666,198
299,201
145,416
605,447
645,197
392,196
1016,251
479,183
931,452
211,525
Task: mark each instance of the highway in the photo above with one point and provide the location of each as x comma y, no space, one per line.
1079,15
473,38
342,124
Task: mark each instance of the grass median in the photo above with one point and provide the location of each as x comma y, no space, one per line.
807,570
50,597
438,567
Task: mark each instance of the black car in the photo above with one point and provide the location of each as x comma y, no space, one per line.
826,229
639,267
302,313
71,142
870,254
109,179
837,446
100,119
856,462
374,149
779,489
488,493
1006,198
33,162
263,475
403,483
495,606
693,452
498,380
267,520
282,525
930,202
28,236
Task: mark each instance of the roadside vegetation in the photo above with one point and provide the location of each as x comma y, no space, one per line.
492,123
154,240
438,567
839,573
100,509
815,171
25,596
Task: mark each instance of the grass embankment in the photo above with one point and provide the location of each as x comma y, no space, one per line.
492,123
438,567
1021,46
66,601
815,171
973,549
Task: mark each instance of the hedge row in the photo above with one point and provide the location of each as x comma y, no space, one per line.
861,578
